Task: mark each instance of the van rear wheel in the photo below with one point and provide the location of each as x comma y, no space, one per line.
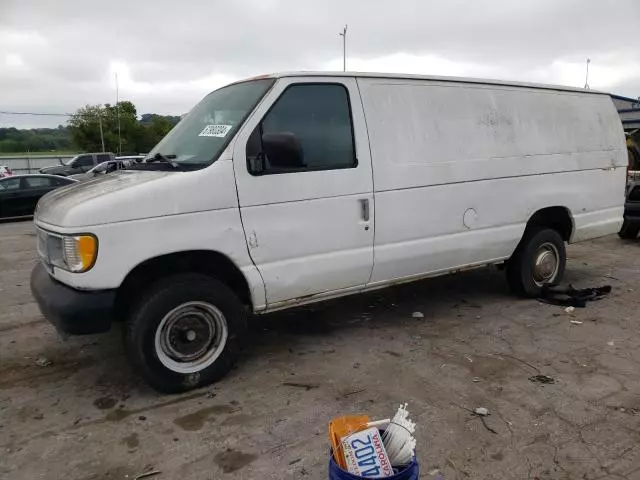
540,259
185,332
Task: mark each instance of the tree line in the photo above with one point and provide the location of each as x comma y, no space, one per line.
13,140
89,127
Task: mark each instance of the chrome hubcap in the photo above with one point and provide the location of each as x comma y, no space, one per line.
545,264
191,337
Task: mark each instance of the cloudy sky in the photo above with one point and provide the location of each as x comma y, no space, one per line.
56,56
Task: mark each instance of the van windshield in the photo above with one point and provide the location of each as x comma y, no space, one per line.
199,138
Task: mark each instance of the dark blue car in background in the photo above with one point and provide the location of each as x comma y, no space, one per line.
19,194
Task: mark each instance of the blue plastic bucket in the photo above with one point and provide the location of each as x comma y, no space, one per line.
410,472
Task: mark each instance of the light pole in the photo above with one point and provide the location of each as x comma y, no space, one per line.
118,114
586,79
101,134
343,34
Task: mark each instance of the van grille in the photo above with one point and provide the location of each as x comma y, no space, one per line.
634,195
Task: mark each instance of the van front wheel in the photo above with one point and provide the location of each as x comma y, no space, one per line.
184,332
539,260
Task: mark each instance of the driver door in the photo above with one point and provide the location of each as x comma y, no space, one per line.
309,226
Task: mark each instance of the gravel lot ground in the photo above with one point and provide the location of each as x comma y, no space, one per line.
86,416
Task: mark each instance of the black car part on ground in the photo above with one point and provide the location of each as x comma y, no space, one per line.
573,297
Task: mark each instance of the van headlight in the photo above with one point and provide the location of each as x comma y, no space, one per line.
74,253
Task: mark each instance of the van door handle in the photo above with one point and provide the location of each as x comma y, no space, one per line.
364,209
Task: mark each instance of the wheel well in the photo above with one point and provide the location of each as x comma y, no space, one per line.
198,261
557,218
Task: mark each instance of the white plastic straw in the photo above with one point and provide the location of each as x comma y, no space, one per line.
379,423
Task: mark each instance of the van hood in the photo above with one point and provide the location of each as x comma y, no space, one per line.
106,199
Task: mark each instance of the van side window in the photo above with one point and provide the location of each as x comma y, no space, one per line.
308,128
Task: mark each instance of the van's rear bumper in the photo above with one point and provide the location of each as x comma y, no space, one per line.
72,311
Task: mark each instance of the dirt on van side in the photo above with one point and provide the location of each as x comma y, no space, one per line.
562,389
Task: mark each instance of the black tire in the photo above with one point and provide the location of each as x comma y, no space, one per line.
520,267
628,231
157,302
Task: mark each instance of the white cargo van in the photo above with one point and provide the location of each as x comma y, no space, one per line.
288,189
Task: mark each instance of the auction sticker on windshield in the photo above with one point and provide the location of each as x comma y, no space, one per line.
215,131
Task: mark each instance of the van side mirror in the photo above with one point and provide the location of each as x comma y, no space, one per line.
283,150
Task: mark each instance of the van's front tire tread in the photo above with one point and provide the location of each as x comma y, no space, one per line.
159,299
519,267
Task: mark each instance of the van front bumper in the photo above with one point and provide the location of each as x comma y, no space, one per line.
72,311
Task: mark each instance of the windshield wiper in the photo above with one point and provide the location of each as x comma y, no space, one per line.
159,157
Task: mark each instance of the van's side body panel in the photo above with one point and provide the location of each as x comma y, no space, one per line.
459,169
305,230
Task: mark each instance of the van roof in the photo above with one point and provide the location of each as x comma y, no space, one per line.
404,76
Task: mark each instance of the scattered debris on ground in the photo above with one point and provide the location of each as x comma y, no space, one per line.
572,297
347,394
43,362
482,411
147,474
306,386
546,379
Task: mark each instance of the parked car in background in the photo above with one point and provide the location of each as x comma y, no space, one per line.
78,164
19,194
107,167
100,169
5,171
132,158
631,224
